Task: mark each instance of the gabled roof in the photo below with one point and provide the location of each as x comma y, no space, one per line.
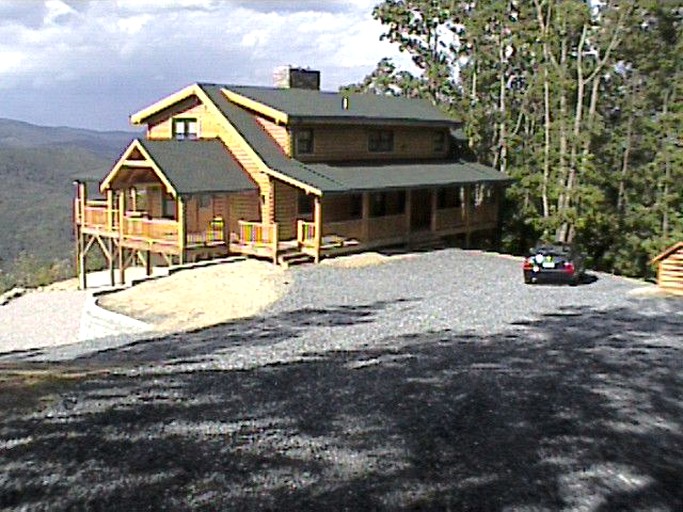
237,104
309,106
188,167
265,146
668,252
198,166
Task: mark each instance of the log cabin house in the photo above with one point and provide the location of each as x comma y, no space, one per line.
283,173
670,269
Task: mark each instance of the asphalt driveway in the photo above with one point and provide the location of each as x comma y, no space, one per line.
438,382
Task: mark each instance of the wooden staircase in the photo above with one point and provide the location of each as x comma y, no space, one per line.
292,257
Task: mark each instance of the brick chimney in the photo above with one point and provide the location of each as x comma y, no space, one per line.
288,77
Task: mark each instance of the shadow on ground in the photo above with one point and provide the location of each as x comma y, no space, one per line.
578,410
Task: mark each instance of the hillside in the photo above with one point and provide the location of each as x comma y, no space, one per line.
21,135
37,168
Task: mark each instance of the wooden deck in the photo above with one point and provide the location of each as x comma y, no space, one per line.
131,235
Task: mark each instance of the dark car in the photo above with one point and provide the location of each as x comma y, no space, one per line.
553,263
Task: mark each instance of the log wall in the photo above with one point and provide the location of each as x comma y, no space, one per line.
670,272
345,143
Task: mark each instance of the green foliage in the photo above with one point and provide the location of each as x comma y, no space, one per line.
581,104
37,169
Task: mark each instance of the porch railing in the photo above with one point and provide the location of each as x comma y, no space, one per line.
257,238
214,234
95,215
150,230
305,233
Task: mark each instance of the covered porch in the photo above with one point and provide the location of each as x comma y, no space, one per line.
337,224
162,204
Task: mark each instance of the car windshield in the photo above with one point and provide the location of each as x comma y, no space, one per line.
552,250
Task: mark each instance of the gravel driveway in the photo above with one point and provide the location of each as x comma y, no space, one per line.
435,382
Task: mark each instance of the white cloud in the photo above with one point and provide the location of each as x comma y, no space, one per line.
127,53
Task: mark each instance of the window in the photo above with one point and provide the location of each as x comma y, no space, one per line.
439,142
168,206
204,200
185,129
387,203
304,141
450,197
305,204
356,206
381,141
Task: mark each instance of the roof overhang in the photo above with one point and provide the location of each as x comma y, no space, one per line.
667,253
278,116
141,116
147,162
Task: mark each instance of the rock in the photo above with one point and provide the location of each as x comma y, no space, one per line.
11,294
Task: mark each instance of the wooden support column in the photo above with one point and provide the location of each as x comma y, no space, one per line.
468,216
122,208
80,237
365,225
82,276
148,263
110,240
434,196
409,212
181,228
318,218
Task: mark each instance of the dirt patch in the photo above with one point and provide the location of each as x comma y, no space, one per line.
363,259
201,297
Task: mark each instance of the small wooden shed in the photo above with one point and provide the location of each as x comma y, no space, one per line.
670,269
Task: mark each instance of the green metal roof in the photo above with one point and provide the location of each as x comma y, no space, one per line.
265,146
196,166
346,178
311,105
373,176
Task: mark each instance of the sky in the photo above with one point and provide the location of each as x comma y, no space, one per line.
92,63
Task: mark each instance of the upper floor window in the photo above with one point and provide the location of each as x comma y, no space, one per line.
381,141
439,142
185,129
304,141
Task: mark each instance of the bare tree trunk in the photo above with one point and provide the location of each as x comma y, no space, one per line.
543,25
625,159
502,128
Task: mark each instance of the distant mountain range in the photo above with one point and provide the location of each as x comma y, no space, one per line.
18,134
37,168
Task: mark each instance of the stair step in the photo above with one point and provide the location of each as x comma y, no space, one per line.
293,258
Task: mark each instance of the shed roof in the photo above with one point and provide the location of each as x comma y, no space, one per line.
303,105
668,252
198,166
374,176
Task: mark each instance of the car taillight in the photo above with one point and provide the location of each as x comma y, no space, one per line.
568,267
527,264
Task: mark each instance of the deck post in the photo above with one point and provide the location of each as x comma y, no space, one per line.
409,212
80,249
181,228
365,223
468,216
435,203
148,263
122,266
82,277
110,261
276,241
318,212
